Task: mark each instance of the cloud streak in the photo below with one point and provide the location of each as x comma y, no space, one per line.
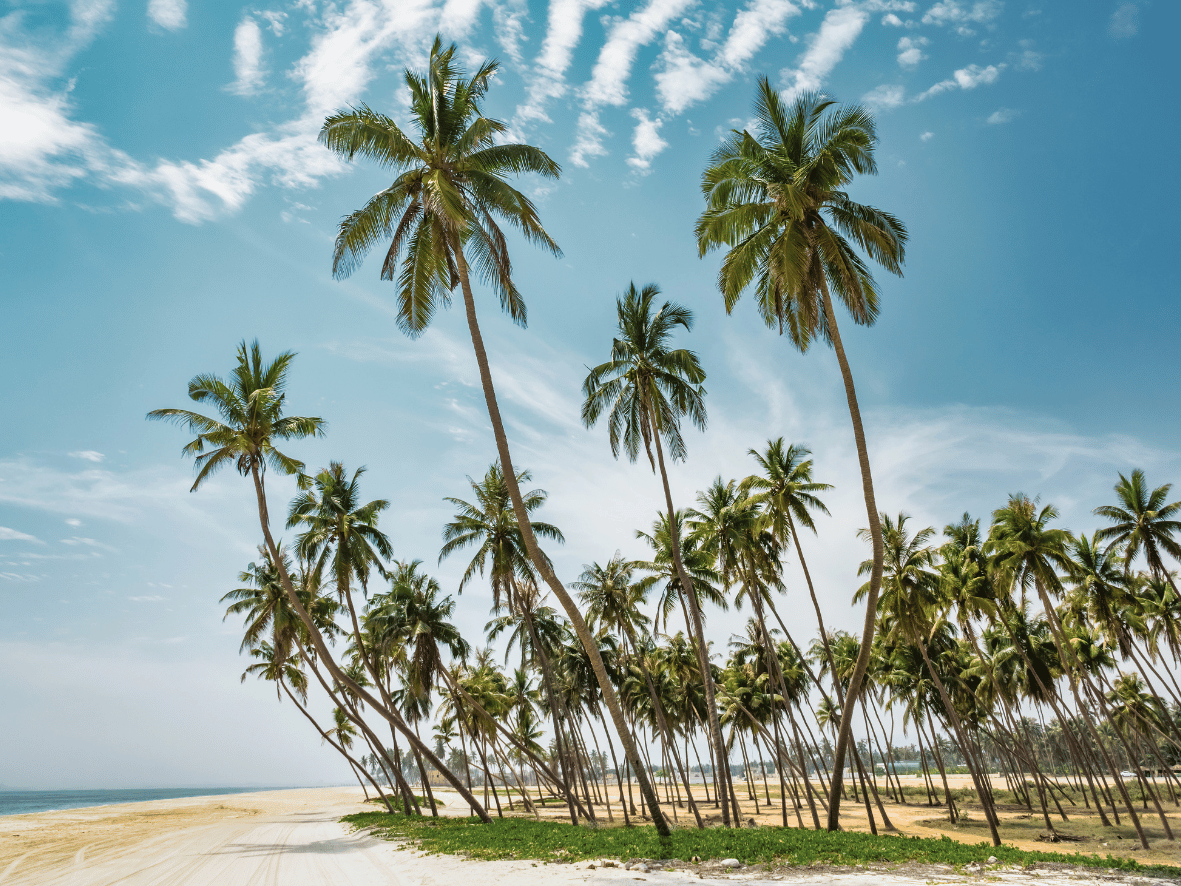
839,30
249,73
172,15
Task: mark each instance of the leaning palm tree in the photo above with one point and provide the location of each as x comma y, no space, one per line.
1144,521
645,389
777,202
341,534
441,218
246,435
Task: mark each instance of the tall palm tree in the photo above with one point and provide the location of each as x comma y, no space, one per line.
1144,521
440,216
777,202
645,389
252,423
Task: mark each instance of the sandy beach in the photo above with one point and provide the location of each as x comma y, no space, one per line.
294,837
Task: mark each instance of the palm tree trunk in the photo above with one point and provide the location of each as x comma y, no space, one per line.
1074,673
540,563
325,655
957,726
352,763
845,732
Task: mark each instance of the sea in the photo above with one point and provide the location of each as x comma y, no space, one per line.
21,802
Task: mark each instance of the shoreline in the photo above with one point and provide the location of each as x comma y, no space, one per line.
98,797
294,837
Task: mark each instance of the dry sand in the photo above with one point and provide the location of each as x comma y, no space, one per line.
294,838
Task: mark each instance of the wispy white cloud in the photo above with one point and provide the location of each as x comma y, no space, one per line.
88,455
42,148
1028,60
965,78
926,136
608,83
838,31
249,73
646,141
588,143
885,96
7,534
1003,115
172,15
147,598
609,77
1125,21
548,77
87,542
683,78
961,16
910,51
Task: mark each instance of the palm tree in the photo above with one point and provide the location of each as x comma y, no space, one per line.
612,602
264,604
645,389
440,211
252,423
1143,522
413,612
341,534
491,523
787,492
662,570
777,203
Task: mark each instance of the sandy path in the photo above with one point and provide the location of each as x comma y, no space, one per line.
294,838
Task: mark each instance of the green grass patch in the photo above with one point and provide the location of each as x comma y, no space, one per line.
555,841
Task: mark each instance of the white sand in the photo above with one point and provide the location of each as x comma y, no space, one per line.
294,838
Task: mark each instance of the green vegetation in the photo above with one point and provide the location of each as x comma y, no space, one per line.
555,841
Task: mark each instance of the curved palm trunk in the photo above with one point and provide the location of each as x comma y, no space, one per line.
563,761
325,655
845,732
357,767
610,699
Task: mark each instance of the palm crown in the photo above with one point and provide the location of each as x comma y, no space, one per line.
646,386
778,202
491,524
340,531
449,192
251,407
1143,521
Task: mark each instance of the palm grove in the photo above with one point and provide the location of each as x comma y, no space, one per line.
1040,663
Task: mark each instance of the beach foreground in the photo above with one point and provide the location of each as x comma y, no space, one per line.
294,837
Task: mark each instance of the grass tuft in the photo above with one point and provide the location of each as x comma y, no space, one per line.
554,841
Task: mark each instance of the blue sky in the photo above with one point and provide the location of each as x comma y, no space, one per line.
162,197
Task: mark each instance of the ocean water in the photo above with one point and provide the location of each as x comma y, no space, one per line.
20,802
